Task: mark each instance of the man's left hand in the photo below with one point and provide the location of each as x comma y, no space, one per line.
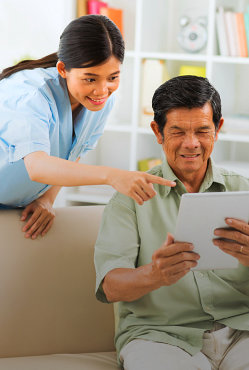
234,240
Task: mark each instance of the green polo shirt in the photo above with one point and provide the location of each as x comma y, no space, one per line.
180,313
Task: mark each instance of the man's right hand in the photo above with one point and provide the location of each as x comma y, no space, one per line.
169,263
172,261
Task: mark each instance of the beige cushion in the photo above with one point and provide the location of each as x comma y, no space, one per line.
47,287
89,361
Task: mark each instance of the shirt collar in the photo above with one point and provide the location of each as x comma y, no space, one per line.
213,176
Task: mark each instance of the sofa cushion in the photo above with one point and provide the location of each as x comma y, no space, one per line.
86,361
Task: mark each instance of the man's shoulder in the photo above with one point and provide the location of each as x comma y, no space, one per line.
156,171
234,181
119,201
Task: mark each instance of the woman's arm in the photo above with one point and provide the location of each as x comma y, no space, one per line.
56,171
41,220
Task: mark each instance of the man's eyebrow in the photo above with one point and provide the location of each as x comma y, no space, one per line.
205,128
175,127
94,74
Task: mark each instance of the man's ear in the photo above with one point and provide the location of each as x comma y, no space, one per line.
218,129
61,69
156,131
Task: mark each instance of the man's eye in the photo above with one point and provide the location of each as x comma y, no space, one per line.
177,133
89,80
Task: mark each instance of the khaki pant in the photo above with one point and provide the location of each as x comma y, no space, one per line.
223,349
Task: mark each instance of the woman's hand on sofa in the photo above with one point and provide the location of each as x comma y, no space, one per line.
42,214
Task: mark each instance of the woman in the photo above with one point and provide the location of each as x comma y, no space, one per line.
52,111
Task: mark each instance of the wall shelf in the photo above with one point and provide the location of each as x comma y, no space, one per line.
151,29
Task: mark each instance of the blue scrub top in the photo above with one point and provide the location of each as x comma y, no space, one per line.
36,115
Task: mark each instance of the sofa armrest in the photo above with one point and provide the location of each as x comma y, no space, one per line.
47,287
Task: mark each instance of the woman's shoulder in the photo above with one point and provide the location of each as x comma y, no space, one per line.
26,84
36,77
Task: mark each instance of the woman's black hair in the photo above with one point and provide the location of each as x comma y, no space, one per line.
86,42
185,92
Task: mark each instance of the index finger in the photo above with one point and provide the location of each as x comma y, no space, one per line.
159,180
238,224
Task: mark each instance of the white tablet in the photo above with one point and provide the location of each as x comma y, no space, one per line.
200,214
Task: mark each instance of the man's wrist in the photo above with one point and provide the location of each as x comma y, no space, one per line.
153,279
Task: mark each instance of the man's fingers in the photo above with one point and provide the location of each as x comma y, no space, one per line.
178,262
184,265
159,180
238,224
170,239
172,249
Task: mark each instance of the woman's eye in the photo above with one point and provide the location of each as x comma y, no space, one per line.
113,78
89,80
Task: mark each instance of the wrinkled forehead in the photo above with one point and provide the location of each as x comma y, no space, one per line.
192,117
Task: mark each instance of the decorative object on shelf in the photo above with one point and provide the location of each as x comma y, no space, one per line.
95,6
148,163
193,31
81,8
154,73
232,32
101,7
246,22
116,15
192,70
221,32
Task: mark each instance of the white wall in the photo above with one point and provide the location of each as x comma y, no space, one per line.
32,27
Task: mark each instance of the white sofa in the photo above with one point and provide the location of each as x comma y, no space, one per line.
49,316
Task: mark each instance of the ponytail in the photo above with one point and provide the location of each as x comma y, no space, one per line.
45,62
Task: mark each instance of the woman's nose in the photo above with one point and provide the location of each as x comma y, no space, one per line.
101,89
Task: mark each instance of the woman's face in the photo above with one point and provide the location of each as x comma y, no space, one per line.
91,87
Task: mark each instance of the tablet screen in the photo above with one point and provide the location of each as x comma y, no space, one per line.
200,214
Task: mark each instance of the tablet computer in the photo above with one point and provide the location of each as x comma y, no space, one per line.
200,214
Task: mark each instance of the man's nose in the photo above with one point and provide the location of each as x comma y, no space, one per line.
191,141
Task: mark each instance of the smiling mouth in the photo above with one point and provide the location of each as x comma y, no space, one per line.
190,155
97,101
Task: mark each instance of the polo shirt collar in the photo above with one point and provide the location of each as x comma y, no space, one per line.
212,177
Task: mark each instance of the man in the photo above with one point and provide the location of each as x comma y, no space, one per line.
169,316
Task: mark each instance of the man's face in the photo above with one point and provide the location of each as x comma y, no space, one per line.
189,136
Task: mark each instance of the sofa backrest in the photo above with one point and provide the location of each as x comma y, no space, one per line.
47,300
